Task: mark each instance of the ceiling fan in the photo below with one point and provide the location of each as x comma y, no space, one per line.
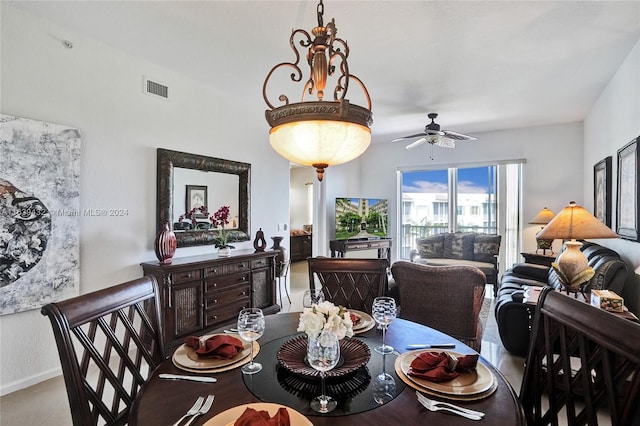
434,136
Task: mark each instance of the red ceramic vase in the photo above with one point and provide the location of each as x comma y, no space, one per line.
165,244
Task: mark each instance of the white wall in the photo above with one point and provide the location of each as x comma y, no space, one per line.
614,120
99,90
299,201
552,173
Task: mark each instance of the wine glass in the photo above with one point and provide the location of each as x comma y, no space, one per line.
384,388
250,328
384,312
323,353
312,297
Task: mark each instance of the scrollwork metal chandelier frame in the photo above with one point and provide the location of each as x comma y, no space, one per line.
326,57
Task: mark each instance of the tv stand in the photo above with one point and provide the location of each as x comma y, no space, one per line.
383,245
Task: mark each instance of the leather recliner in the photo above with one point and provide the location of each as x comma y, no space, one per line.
514,317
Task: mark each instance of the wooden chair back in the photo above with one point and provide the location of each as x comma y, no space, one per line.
109,342
352,283
601,351
447,298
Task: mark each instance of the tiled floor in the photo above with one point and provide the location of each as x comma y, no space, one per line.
46,403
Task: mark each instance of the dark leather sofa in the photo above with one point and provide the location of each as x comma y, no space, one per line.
514,317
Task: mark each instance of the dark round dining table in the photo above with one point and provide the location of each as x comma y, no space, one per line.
162,402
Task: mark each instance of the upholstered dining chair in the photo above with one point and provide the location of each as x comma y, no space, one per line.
109,342
447,298
583,365
352,283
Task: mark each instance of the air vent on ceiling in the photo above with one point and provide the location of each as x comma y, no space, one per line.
154,88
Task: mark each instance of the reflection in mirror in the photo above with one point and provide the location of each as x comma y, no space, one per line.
185,180
219,190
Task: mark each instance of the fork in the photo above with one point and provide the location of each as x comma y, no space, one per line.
192,411
203,410
428,404
452,406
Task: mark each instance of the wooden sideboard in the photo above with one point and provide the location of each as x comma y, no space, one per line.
340,247
200,293
300,247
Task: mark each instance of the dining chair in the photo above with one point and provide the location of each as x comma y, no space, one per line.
583,365
283,270
352,283
109,343
447,298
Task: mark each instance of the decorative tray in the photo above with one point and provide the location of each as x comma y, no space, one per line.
292,354
340,387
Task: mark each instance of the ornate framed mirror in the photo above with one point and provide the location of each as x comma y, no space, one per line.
220,177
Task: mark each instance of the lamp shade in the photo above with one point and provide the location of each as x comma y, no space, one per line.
572,223
575,222
543,217
326,142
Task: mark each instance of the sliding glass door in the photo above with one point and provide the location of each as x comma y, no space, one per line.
463,199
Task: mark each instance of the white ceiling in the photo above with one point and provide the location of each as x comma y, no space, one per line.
482,65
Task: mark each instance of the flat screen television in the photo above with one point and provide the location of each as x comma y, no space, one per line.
361,218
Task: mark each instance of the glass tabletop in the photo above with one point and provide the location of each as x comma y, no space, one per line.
355,393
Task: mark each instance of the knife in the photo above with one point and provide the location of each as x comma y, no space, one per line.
432,346
194,378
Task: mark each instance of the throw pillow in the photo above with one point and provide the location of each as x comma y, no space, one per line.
459,245
486,246
431,247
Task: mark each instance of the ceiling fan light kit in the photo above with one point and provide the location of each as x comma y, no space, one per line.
435,137
319,133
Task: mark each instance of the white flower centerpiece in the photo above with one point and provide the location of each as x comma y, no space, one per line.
326,316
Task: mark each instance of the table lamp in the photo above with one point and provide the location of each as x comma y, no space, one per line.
572,223
543,217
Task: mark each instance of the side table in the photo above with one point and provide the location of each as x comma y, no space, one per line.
531,295
538,259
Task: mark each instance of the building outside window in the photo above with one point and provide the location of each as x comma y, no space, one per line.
458,199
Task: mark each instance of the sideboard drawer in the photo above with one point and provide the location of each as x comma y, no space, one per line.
186,276
259,263
231,268
222,283
229,313
378,244
227,297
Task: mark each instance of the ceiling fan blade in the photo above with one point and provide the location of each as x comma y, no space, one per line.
458,136
408,137
445,143
416,143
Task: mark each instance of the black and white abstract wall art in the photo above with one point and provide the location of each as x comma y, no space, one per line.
39,213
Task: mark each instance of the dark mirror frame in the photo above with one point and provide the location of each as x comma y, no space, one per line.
167,161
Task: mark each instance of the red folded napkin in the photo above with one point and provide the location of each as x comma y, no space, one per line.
355,319
219,346
441,366
251,417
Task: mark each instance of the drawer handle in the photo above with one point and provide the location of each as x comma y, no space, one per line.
215,271
244,278
244,293
242,265
215,317
189,275
215,285
215,300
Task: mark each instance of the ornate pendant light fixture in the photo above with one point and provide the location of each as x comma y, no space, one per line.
319,133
